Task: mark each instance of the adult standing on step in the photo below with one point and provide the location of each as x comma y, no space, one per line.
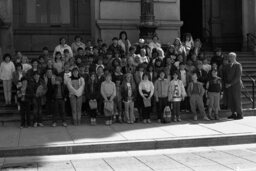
233,83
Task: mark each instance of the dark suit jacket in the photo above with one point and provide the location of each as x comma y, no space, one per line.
233,74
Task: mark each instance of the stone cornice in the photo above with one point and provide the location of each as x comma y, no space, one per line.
134,24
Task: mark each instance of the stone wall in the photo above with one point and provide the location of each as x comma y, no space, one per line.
6,43
113,16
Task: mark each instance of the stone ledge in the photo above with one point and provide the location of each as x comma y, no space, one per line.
134,24
130,145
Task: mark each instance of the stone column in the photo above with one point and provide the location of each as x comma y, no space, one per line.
147,19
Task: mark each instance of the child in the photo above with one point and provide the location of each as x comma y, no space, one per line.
118,101
189,43
58,63
93,96
128,94
108,92
176,94
146,90
206,66
161,94
25,65
213,88
76,88
38,90
6,70
196,92
59,101
17,76
24,102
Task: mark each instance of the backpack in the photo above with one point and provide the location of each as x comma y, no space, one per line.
167,115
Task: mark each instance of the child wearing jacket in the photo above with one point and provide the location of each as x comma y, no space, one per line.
75,86
59,95
196,92
128,94
6,70
92,92
108,92
177,93
161,94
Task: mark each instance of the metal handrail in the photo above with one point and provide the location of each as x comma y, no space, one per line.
252,99
251,41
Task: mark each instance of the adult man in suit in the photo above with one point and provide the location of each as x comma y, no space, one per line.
233,83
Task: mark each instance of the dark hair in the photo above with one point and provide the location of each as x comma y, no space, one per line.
7,55
182,63
66,51
77,36
99,40
155,35
58,53
78,49
175,72
45,48
114,38
104,45
34,60
145,74
123,32
18,65
132,48
60,39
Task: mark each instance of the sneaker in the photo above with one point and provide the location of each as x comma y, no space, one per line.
144,121
239,117
195,118
149,121
233,116
206,118
216,117
35,124
54,124
110,122
179,120
64,124
159,121
40,124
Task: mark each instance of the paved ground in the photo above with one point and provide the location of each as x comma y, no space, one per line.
12,136
225,158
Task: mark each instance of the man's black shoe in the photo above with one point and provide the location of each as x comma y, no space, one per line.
239,117
233,116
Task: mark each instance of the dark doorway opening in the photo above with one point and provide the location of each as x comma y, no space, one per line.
192,17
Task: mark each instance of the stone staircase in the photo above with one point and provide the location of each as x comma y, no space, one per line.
247,59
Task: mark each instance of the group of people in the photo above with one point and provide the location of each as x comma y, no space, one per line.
118,79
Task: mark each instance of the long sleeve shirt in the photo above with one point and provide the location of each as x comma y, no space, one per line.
147,86
6,70
108,89
161,88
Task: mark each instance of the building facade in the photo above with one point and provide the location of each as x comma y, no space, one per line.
28,25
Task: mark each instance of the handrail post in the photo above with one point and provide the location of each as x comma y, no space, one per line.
253,94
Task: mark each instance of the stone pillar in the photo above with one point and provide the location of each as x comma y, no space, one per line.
245,23
147,19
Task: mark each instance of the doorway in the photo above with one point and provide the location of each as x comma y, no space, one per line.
192,16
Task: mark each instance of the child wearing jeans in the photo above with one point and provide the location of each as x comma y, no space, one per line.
196,92
24,102
92,92
128,92
38,90
76,88
213,90
176,94
118,101
161,94
59,95
6,72
108,92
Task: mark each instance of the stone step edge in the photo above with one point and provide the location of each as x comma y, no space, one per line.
153,144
